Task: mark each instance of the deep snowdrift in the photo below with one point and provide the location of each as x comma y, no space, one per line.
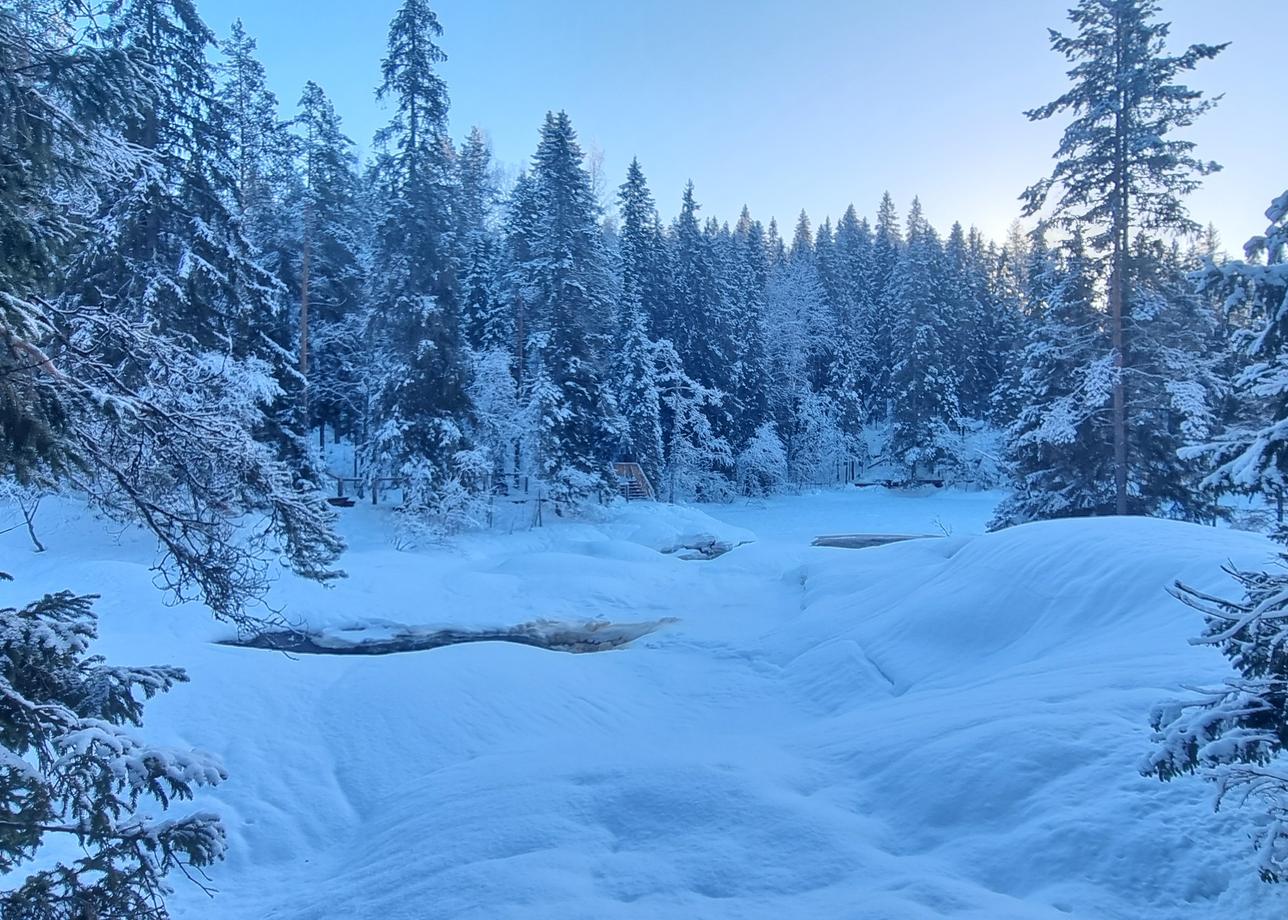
945,727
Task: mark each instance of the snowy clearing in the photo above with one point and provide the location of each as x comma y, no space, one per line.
935,728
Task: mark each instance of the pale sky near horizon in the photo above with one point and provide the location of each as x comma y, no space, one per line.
811,104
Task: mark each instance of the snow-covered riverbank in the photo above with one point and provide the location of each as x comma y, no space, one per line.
940,728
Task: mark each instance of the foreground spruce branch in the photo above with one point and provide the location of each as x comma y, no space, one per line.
1234,735
70,768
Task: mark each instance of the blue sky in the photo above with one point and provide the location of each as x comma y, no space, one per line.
811,104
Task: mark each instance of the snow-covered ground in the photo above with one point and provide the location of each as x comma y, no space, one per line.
938,728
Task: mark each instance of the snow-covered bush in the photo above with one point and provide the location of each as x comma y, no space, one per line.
435,507
70,769
762,464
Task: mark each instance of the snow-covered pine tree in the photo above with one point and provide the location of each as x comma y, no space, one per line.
1118,169
422,406
1234,735
924,380
331,269
562,275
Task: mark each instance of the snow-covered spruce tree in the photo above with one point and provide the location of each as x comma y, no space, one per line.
168,249
1057,447
99,400
1250,453
561,276
261,153
698,317
699,462
1118,169
747,402
331,271
422,406
852,316
886,245
486,318
1174,386
74,770
965,309
635,360
1234,735
1018,286
96,399
923,380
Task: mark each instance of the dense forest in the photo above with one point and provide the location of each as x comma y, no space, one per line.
204,291
458,331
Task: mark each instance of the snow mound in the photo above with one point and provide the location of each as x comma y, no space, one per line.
674,528
1057,590
995,702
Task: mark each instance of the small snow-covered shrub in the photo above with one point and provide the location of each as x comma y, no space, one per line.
434,508
762,464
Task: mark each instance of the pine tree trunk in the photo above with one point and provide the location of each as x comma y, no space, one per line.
1119,394
1117,282
304,323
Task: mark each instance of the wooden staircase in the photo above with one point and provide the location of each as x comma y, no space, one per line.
632,482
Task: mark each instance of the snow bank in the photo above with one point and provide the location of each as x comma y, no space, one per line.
995,701
937,728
